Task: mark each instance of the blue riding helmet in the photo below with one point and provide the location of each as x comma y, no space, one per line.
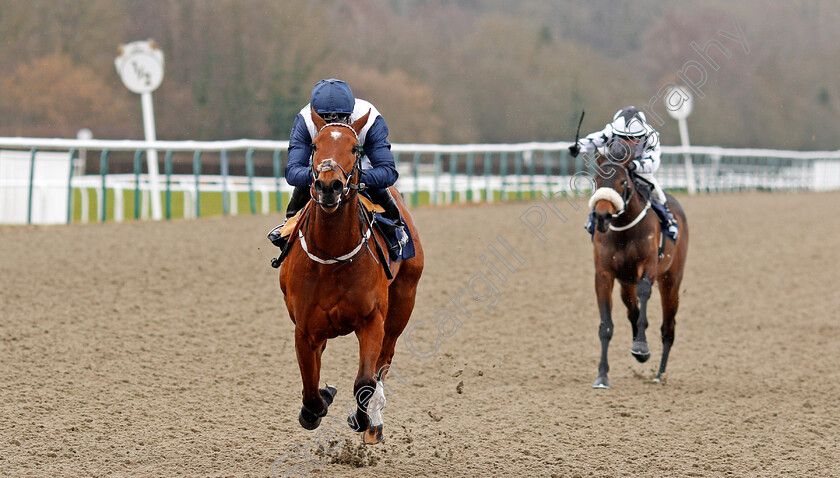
332,96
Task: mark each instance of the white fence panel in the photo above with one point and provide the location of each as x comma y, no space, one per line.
49,187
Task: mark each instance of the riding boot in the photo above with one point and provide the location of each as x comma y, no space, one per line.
300,196
384,198
671,225
590,223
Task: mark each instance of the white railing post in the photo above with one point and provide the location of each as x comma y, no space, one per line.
119,204
85,205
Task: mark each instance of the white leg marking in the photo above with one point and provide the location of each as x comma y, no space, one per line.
376,404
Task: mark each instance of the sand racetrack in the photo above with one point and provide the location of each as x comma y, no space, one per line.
164,349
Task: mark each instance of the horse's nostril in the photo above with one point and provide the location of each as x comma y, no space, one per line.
336,185
319,185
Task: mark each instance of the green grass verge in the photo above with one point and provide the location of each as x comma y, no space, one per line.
209,204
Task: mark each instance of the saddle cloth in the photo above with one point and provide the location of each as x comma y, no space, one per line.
389,231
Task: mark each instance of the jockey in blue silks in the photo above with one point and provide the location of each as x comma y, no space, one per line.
333,100
631,128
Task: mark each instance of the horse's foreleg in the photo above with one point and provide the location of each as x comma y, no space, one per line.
640,348
315,402
603,289
669,290
368,392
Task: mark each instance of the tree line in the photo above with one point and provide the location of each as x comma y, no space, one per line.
448,71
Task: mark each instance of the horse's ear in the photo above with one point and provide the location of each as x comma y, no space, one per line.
316,118
360,123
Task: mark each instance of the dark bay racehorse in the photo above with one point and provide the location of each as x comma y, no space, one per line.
334,285
627,240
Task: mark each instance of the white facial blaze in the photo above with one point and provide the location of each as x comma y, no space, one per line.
335,134
327,165
376,404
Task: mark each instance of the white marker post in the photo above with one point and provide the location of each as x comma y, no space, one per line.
140,66
678,103
81,162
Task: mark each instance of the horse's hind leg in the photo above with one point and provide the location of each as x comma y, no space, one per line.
631,301
640,349
669,288
367,392
401,296
315,401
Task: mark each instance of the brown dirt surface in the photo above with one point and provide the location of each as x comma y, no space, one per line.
164,349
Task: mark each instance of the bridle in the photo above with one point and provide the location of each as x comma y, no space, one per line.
626,196
350,187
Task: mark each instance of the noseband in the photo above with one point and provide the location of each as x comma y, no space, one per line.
329,165
611,195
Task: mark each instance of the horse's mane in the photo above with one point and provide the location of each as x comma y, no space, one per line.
604,162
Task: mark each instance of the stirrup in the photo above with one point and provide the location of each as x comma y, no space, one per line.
275,237
671,227
673,232
402,237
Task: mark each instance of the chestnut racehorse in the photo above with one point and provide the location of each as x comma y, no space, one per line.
627,241
334,285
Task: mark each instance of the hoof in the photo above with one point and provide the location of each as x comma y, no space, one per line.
353,423
328,394
308,420
372,435
640,351
659,379
601,382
